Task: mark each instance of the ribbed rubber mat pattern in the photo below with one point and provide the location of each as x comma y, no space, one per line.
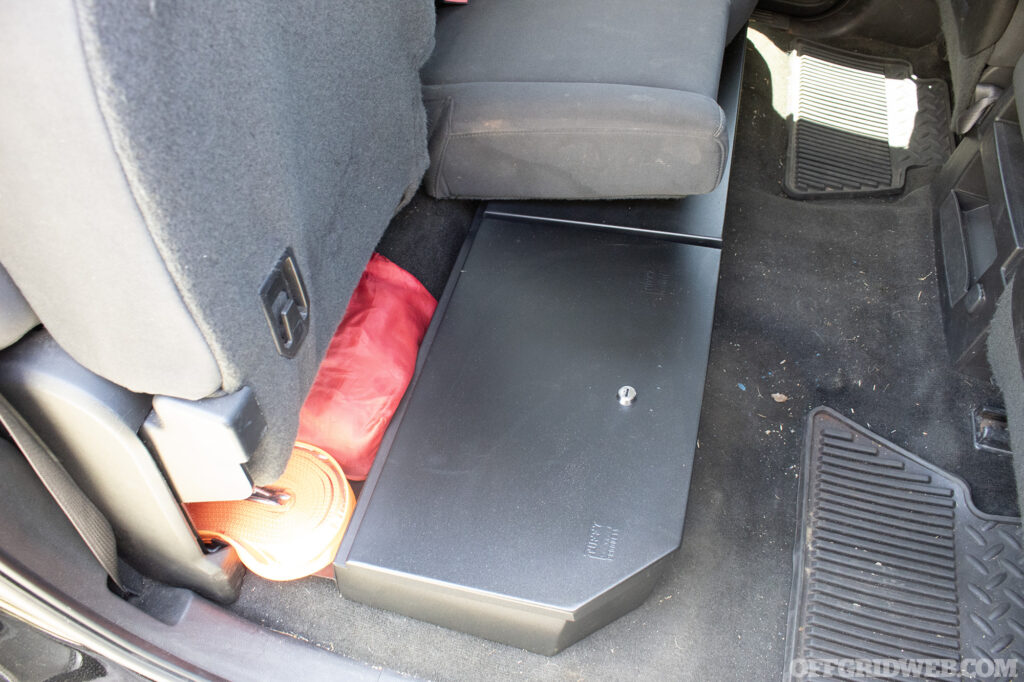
895,563
859,123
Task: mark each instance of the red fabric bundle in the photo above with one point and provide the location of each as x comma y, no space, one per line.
368,366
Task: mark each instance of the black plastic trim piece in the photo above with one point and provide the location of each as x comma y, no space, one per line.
979,230
286,304
49,579
92,427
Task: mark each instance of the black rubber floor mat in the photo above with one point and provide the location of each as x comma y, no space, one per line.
858,123
896,570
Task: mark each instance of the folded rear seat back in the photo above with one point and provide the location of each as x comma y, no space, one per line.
577,100
160,159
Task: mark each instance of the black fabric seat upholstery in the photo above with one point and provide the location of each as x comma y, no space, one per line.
158,159
574,99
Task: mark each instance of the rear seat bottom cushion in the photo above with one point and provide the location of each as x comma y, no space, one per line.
572,140
576,99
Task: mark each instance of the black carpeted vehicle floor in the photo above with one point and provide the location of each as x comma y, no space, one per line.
425,238
829,303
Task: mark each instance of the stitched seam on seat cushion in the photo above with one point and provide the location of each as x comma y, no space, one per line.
721,146
719,164
716,138
721,123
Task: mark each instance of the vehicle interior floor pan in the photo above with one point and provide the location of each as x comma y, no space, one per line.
814,302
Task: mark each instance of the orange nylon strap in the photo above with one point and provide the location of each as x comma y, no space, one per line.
292,528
